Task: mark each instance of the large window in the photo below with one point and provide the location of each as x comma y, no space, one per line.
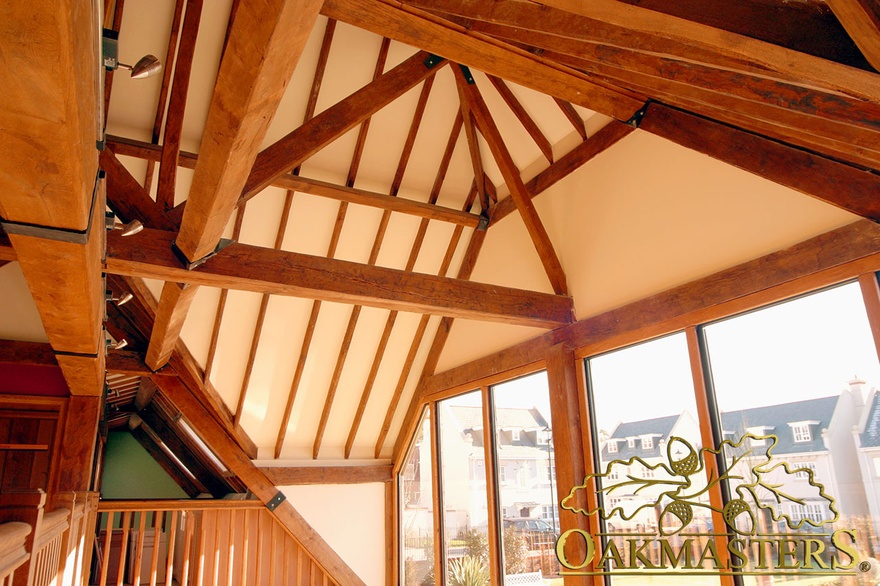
748,446
524,444
417,510
647,489
463,488
796,377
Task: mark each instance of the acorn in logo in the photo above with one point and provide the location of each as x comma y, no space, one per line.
675,517
682,465
733,513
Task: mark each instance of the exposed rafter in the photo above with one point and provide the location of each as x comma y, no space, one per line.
509,170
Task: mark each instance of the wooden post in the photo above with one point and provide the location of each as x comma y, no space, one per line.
566,403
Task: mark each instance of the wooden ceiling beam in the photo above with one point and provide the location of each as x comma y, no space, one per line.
454,42
377,200
437,344
297,146
264,45
603,139
162,102
305,347
27,353
250,268
177,105
810,26
374,256
50,198
144,150
302,475
126,197
186,454
221,304
520,112
256,481
261,314
861,19
392,316
186,484
668,32
849,188
510,171
573,117
821,120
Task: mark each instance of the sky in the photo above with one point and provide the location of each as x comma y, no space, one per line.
806,348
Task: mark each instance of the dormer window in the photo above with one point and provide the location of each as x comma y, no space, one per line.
631,442
801,432
612,447
514,435
647,443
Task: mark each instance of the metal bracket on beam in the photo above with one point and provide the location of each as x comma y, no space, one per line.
468,76
636,119
52,233
483,224
433,60
190,265
275,501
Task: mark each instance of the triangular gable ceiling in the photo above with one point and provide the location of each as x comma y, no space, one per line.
394,129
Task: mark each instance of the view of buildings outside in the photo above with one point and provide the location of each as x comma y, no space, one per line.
796,380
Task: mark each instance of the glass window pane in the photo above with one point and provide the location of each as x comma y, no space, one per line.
792,386
417,510
652,485
463,484
526,476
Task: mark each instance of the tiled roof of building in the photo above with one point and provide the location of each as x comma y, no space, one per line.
658,429
777,419
870,435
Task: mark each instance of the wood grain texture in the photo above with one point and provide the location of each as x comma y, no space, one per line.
861,19
518,193
250,268
418,28
174,304
298,475
666,29
48,113
264,46
297,146
177,105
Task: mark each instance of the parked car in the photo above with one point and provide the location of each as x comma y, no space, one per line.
536,531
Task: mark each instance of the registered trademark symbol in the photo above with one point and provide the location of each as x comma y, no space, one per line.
865,567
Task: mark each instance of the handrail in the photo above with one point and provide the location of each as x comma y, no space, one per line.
53,525
177,505
13,552
192,542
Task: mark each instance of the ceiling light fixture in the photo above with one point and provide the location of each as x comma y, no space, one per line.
145,67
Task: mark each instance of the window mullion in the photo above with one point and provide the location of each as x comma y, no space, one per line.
495,561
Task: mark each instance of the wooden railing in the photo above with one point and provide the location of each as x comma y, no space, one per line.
13,550
198,542
43,549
